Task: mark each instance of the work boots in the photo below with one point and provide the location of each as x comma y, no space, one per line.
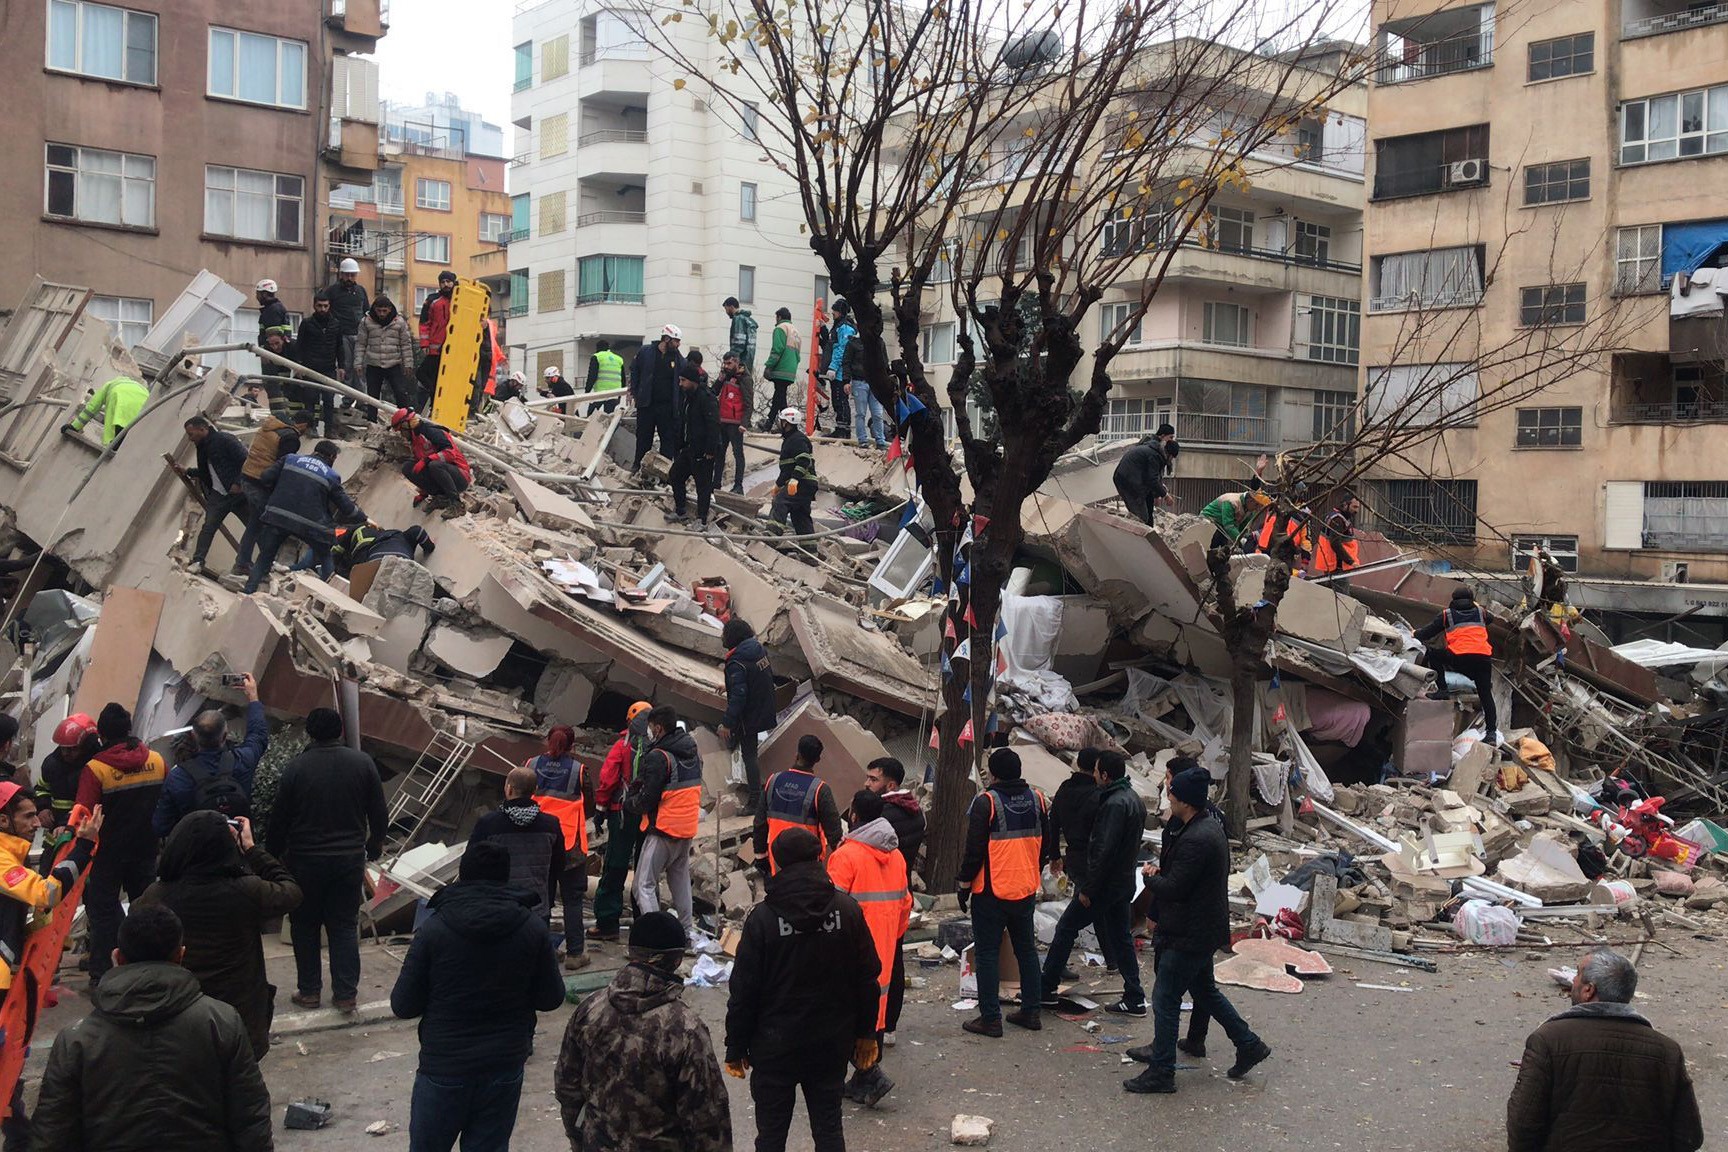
1151,1082
1246,1057
868,1088
1026,1018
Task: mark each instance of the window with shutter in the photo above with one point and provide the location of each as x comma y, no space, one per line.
551,213
554,135
555,58
1623,514
551,291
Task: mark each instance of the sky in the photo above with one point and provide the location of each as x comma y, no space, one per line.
446,46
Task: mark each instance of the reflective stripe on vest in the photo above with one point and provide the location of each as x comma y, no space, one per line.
680,807
1016,845
572,814
1467,633
791,803
609,374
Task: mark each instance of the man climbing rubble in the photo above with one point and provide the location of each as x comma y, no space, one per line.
1336,550
220,468
667,795
1233,513
367,541
438,468
119,401
306,497
1464,648
616,773
1139,474
868,867
219,777
277,437
795,487
797,798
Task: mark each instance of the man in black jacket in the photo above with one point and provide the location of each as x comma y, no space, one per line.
795,487
328,819
479,969
156,1064
348,303
534,838
319,346
1139,475
221,457
654,376
698,444
750,709
306,494
1192,888
886,777
1072,811
803,999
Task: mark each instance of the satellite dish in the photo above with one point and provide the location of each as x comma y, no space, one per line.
1034,50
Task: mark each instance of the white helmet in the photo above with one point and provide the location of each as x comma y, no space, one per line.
552,372
518,378
349,265
672,331
267,286
791,416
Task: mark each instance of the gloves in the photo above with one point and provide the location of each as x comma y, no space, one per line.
738,1067
68,430
865,1054
965,896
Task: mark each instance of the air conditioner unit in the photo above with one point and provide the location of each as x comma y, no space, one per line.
1466,173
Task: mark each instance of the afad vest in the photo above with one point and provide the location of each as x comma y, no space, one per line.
1467,633
791,803
1297,531
680,807
568,807
1014,862
609,371
1326,555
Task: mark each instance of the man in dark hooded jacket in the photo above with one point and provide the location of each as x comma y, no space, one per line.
534,838
125,777
804,997
1139,475
666,795
479,969
750,709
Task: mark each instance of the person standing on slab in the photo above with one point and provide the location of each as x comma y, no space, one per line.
1465,648
616,773
667,796
750,707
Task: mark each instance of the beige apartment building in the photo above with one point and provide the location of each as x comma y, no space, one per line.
153,138
1553,172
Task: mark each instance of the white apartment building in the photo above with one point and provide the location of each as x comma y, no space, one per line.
635,202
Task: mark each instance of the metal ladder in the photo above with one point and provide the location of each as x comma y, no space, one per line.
422,789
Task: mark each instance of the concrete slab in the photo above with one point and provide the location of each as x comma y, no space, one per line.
401,591
335,606
691,559
870,665
1039,766
125,633
549,509
846,748
1311,612
472,653
564,693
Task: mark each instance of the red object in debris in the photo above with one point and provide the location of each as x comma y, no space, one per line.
715,598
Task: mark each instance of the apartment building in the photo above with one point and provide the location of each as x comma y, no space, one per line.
157,137
1251,343
1543,174
639,199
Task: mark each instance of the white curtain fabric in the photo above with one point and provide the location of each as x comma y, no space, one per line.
1436,278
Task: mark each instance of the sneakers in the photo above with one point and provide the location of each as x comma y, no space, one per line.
1247,1057
1123,1008
1193,1048
1141,1053
1150,1083
1026,1018
1050,1000
979,1026
678,518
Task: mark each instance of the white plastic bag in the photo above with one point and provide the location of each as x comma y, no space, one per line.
1486,924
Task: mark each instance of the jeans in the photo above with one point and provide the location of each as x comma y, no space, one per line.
572,886
797,508
615,866
256,497
781,387
684,469
731,435
310,559
662,853
867,416
1114,923
1189,972
395,378
989,917
436,478
108,878
774,1088
216,510
652,419
896,987
1068,927
330,903
1480,669
481,1110
270,541
1198,1022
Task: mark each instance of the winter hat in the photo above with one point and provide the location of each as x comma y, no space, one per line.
658,932
796,846
8,729
1005,764
1191,787
1463,596
114,724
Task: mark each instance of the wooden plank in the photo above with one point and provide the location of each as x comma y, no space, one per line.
121,650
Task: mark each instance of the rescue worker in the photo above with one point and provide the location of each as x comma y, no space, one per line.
221,460
1008,841
563,789
1232,514
554,384
125,778
741,334
533,836
272,313
1336,549
367,541
277,437
732,399
1293,523
348,303
605,374
797,798
868,867
654,376
120,400
1139,474
616,772
842,332
319,347
1465,648
434,326
784,356
438,468
667,795
513,387
699,446
27,898
306,494
795,487
75,741
750,708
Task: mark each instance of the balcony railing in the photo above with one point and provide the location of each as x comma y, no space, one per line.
1674,412
612,136
1282,256
520,159
1411,302
588,219
1439,58
519,309
609,298
515,235
523,84
1221,428
637,52
1694,17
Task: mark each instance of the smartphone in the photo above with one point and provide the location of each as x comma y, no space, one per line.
233,680
234,823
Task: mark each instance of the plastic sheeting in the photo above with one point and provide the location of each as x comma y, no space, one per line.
1034,624
1686,246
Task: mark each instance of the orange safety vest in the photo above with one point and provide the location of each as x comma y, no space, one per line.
680,809
1326,557
1297,531
791,798
1016,851
1467,633
877,880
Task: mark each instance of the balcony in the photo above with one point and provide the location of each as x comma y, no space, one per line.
1439,44
614,70
518,309
516,235
1654,17
353,147
1226,430
1195,361
520,159
610,297
591,219
1656,388
358,25
611,136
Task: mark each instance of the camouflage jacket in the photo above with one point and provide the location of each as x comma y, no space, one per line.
637,1072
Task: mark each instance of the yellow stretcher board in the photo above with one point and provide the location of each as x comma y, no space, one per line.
470,304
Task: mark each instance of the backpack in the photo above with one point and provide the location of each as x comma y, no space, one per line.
216,790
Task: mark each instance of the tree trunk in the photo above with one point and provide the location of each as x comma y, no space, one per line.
1243,671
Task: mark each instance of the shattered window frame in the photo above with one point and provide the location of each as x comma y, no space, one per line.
1563,550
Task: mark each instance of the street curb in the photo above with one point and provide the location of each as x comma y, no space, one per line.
328,1019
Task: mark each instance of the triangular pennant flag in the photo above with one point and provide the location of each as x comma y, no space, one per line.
979,523
933,742
967,695
948,629
971,620
893,451
964,576
966,537
912,406
909,513
990,724
964,650
947,668
936,586
1001,628
908,460
900,411
966,733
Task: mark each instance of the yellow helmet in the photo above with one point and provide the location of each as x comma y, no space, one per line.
1260,498
637,709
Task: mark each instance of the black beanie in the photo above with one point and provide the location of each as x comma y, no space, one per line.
1191,787
1005,764
658,932
114,724
796,846
8,728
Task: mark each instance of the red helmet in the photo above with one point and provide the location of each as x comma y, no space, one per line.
401,417
73,730
9,792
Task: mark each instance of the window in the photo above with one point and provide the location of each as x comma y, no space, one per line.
524,66
1131,419
1216,412
1225,324
1423,394
1638,259
752,122
747,202
494,228
1551,304
519,209
555,135
97,40
822,290
433,194
101,187
1334,417
1437,278
1233,229
129,317
1426,511
1334,329
422,293
609,279
1680,124
1313,242
552,291
937,343
554,58
1686,515
257,69
1550,427
551,213
387,189
251,205
1111,317
746,284
432,249
1557,183
1566,56
1562,549
1423,164
1119,234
